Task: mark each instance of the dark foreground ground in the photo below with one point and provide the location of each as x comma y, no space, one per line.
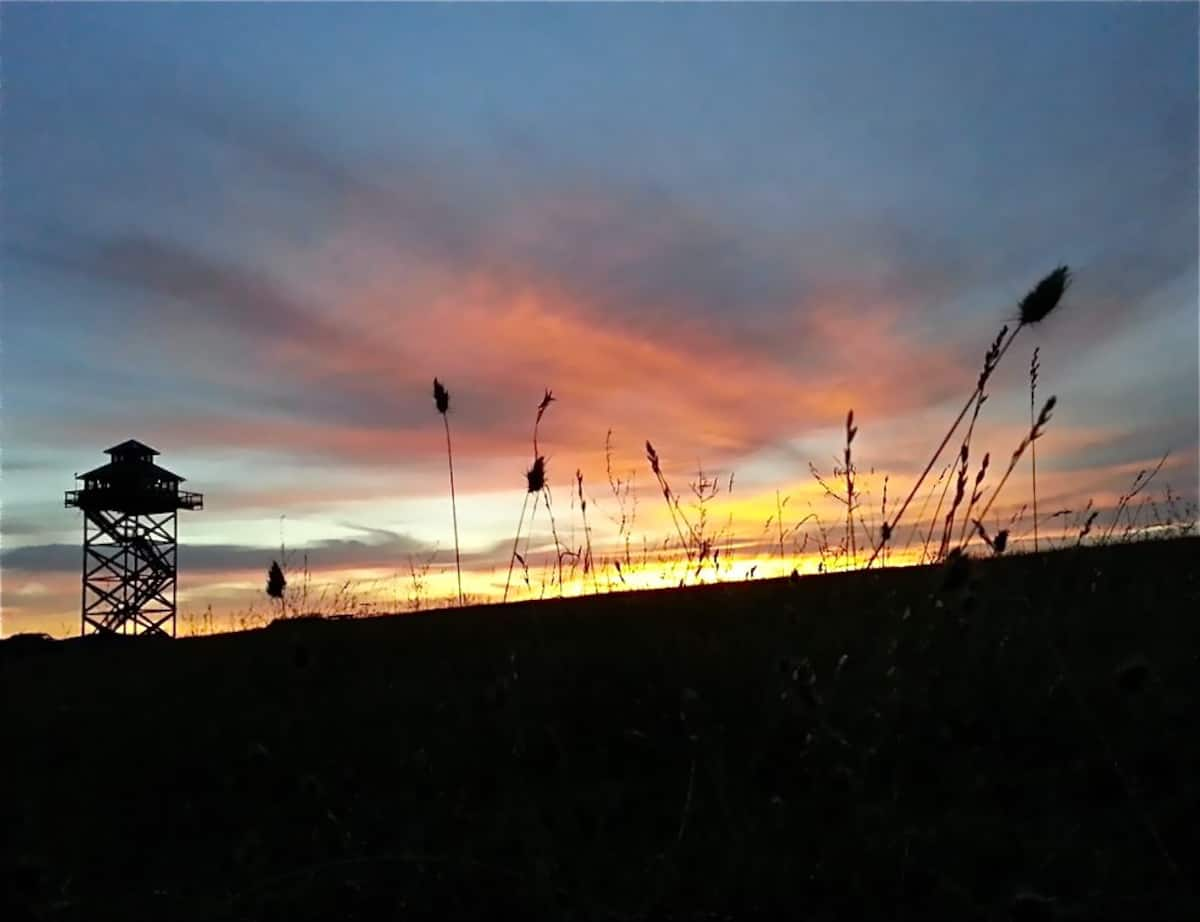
1021,746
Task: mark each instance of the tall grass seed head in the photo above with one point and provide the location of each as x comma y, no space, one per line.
547,399
441,397
983,468
1044,416
991,358
1037,305
652,457
535,477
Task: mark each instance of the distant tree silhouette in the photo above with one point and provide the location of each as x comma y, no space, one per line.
276,584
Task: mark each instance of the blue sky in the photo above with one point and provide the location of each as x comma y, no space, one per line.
250,235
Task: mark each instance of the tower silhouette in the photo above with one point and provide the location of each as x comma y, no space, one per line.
130,528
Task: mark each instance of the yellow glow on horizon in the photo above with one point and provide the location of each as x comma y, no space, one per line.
366,592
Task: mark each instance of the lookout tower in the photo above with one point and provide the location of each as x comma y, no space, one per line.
130,525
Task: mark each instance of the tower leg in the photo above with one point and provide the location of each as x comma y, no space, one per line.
129,573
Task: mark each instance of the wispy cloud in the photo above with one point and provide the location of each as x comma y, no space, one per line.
332,553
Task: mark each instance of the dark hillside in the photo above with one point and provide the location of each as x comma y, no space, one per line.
1013,739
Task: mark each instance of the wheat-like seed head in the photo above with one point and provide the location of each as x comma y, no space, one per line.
998,543
441,397
1035,433
1037,305
983,469
652,457
535,477
1087,526
992,357
548,399
1044,416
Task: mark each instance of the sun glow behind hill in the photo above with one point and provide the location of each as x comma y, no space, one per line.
811,545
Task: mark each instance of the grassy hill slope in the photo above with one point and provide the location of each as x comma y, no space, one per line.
1012,739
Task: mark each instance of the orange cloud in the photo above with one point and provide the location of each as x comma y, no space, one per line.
704,385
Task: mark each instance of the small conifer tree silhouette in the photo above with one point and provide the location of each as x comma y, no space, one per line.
276,584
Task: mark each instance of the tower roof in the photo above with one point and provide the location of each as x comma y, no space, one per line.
131,470
131,448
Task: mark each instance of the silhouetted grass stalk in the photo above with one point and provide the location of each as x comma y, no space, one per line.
535,483
960,489
1035,432
705,489
535,479
1033,379
547,399
588,564
541,409
671,500
1087,524
989,365
916,528
779,523
883,537
976,495
1033,309
851,431
441,399
621,490
558,551
537,498
1139,483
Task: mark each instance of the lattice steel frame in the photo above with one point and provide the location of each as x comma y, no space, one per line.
129,572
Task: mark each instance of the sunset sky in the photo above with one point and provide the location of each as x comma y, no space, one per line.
250,236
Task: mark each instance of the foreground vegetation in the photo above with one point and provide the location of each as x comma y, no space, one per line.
1008,738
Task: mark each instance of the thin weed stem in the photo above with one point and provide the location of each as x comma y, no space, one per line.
516,540
453,509
1034,367
1035,433
1140,483
1033,309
